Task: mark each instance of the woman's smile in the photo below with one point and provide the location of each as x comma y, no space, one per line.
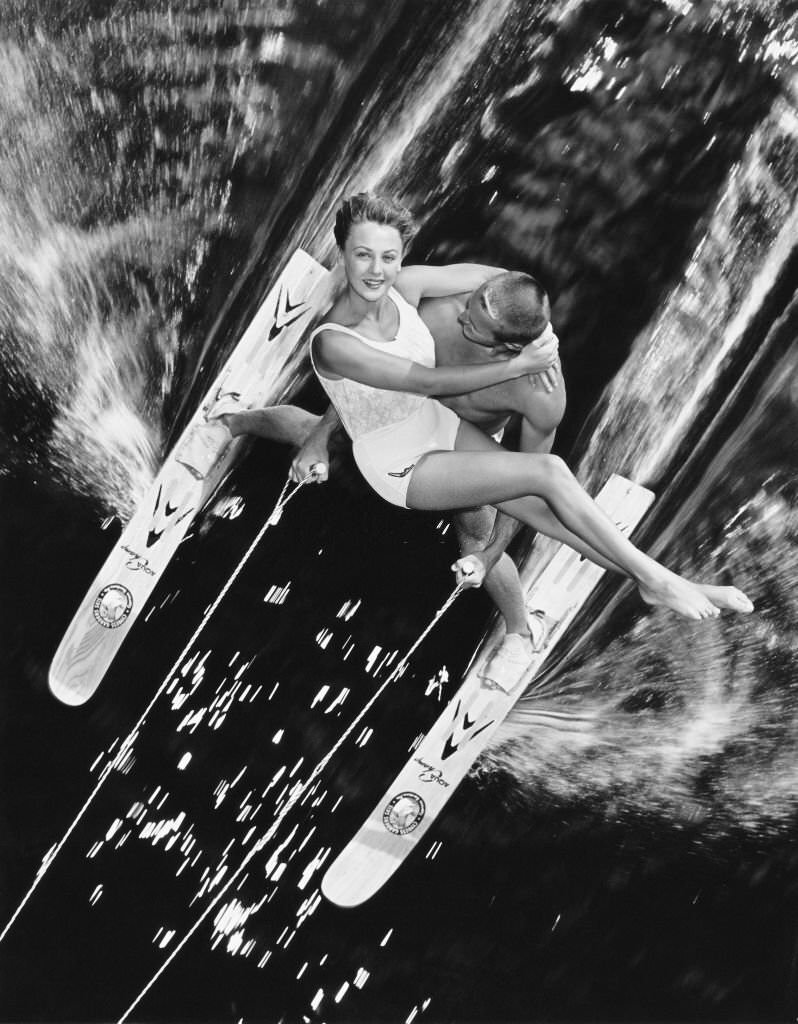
372,259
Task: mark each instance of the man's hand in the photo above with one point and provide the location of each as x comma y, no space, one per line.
469,571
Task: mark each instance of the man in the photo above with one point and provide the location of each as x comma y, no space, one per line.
492,322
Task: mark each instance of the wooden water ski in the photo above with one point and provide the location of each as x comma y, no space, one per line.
261,369
404,815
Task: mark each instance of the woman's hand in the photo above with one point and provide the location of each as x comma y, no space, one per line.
548,379
539,356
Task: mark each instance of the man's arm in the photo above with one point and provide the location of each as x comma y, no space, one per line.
316,449
541,409
504,529
419,281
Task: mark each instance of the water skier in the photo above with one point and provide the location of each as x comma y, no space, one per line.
375,358
494,319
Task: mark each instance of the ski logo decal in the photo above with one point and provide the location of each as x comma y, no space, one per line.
403,813
137,562
285,313
430,774
169,510
462,733
112,606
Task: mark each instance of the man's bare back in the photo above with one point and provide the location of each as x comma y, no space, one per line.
492,408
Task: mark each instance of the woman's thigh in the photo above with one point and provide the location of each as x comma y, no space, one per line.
472,439
478,472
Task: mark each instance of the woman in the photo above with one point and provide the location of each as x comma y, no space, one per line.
375,359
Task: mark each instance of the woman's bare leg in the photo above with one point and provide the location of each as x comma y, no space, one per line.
546,522
483,474
542,519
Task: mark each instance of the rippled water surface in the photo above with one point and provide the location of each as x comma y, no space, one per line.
625,848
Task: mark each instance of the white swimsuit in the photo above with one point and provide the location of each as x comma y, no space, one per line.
391,430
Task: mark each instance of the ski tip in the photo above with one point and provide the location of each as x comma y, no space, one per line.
616,483
64,693
346,896
360,871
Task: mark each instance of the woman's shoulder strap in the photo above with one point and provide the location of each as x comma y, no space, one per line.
334,327
401,302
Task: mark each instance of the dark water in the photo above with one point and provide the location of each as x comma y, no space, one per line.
625,850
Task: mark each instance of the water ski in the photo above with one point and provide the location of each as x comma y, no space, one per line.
260,370
445,755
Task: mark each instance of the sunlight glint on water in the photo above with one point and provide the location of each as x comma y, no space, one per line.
635,727
694,723
656,396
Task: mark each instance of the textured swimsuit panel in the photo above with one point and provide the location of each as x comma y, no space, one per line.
391,430
363,408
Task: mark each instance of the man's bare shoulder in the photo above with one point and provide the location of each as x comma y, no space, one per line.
442,304
530,398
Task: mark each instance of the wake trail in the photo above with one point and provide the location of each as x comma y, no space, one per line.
299,791
130,739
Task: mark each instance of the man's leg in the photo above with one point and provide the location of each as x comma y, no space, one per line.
474,533
473,528
284,423
502,583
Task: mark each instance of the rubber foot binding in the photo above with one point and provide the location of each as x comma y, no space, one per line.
203,447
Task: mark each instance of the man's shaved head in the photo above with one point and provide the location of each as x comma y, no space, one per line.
518,304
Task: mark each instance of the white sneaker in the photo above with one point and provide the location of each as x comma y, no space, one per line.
540,625
203,447
508,663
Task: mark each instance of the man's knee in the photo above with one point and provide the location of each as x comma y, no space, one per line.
474,528
540,425
540,443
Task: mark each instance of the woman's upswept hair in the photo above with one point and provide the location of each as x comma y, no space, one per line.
366,206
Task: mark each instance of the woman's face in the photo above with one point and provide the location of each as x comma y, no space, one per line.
372,259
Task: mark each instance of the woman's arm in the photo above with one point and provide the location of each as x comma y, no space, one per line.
421,282
341,355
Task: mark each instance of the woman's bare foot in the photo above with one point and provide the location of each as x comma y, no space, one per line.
730,598
681,596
